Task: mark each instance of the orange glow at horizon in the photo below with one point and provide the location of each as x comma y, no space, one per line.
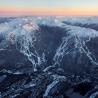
49,7
12,11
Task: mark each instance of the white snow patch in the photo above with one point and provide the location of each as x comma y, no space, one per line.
94,95
81,31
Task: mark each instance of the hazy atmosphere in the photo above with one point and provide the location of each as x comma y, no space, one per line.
49,7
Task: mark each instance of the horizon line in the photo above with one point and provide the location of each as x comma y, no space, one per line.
41,15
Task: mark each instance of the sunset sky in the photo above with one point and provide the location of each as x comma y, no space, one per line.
49,7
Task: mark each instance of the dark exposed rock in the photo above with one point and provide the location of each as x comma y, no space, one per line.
83,87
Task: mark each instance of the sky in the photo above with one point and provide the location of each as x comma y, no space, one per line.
49,7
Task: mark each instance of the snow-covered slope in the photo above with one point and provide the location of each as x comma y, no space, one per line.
61,52
25,33
20,32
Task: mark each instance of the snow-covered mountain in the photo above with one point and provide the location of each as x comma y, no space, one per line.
63,48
